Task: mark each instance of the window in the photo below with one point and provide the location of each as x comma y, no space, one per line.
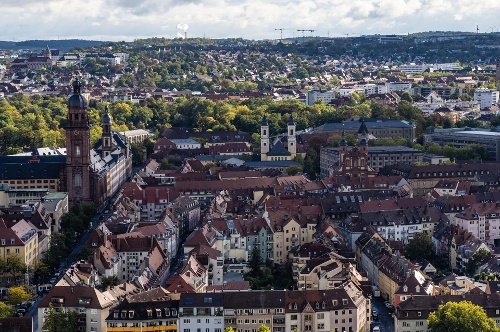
321,326
77,150
321,315
78,180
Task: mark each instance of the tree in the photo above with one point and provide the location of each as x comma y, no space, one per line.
292,170
60,321
229,329
460,317
407,97
110,281
474,261
421,246
6,310
264,328
18,295
255,262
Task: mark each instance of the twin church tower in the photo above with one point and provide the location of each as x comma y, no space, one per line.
282,148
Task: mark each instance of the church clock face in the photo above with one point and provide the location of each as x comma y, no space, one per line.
77,133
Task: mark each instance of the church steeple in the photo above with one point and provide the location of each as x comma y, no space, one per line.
77,147
107,135
264,138
363,137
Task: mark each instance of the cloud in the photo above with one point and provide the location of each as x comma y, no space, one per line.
252,19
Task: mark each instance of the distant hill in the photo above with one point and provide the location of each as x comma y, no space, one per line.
63,45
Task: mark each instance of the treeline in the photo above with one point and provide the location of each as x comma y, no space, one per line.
36,121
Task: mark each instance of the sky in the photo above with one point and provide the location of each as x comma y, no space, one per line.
117,20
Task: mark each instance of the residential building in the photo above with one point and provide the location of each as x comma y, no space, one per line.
486,97
153,310
201,312
18,239
91,306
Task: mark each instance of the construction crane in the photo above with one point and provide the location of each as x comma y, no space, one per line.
303,30
281,33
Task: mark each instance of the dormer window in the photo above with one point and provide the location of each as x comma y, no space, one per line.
317,305
405,288
295,306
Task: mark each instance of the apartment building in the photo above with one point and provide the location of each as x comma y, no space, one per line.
201,312
90,304
482,220
486,97
152,310
18,239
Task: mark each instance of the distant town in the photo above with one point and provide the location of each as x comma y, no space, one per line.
309,184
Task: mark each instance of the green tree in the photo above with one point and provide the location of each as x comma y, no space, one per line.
460,317
18,295
421,246
6,310
264,328
407,97
61,321
110,281
229,329
292,170
473,261
13,266
255,262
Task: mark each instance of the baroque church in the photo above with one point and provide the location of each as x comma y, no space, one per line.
354,162
87,174
282,148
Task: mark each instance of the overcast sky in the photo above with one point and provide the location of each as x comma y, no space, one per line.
249,19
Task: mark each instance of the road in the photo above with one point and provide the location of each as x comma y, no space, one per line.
385,320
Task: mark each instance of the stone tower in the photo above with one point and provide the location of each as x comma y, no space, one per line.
107,135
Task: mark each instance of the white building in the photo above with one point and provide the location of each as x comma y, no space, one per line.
201,312
486,97
314,95
186,144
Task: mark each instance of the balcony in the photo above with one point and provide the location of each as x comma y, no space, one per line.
280,321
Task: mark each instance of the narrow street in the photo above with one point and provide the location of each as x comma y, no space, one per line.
385,320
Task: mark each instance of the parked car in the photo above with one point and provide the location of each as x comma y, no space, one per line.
375,314
376,329
388,305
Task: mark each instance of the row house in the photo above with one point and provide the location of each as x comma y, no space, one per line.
412,315
345,308
166,232
342,309
194,273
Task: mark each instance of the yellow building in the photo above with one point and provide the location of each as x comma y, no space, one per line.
20,240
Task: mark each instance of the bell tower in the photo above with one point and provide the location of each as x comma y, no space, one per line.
77,148
264,138
107,135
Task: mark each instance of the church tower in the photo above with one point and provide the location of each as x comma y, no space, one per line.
107,135
264,138
292,141
363,137
77,148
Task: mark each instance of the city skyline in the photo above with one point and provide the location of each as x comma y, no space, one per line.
116,20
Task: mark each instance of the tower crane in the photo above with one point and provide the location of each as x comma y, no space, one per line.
281,33
303,30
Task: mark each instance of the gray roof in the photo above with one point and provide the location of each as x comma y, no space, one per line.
274,163
354,124
278,149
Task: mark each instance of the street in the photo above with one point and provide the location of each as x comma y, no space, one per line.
385,320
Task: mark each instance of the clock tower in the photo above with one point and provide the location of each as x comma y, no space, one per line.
78,182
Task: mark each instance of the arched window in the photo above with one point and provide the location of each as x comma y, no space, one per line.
78,180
